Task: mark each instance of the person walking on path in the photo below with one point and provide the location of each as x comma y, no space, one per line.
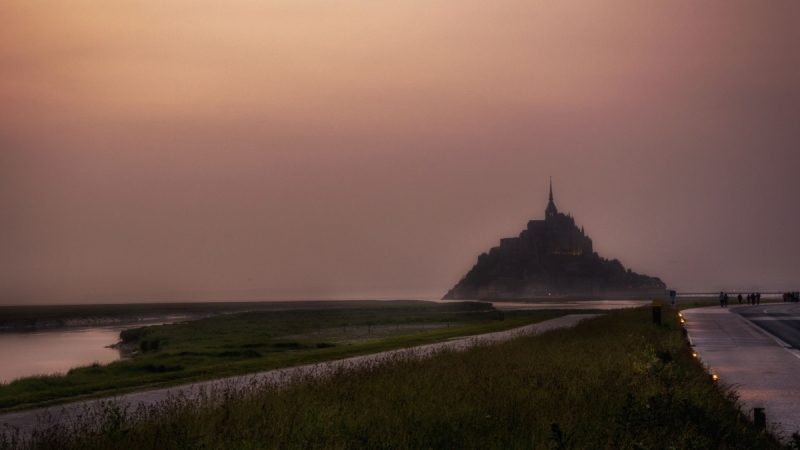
726,299
721,299
758,298
740,299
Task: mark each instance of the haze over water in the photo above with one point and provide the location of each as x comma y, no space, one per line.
176,150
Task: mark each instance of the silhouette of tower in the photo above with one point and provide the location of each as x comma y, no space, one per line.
551,210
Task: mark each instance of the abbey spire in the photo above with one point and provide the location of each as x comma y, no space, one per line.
551,210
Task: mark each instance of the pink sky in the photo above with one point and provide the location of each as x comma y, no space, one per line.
313,149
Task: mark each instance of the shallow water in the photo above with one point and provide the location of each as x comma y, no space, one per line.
564,304
575,304
55,351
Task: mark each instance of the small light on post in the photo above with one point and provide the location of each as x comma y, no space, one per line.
714,377
694,354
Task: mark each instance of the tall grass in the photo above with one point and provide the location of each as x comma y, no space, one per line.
248,342
616,382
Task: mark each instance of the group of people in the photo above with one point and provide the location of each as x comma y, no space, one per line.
752,299
755,299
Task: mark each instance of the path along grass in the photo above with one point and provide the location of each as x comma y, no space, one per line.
248,342
616,382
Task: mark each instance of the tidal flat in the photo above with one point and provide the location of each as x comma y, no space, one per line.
45,317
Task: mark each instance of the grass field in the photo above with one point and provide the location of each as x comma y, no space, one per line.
616,382
254,341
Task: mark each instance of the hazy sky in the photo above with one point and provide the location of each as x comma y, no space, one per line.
197,149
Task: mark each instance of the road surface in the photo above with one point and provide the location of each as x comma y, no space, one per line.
781,320
762,368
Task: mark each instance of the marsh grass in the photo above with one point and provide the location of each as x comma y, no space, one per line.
615,382
255,341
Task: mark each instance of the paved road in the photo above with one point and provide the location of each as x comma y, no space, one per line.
27,420
781,320
763,372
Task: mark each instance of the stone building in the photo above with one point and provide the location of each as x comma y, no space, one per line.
550,257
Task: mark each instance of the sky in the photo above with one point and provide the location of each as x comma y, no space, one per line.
295,149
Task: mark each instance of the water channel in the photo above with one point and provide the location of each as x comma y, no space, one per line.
53,351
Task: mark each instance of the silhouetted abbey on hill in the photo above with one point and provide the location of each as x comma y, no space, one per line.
551,257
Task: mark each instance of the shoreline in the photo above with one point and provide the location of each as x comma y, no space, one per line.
50,317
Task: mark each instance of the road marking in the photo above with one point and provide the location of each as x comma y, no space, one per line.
752,364
780,342
770,318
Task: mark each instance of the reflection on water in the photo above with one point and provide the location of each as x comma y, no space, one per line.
582,304
565,304
24,354
55,351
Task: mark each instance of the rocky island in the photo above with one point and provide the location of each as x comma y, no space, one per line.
551,257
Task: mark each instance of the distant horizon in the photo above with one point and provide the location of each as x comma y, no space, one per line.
231,297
